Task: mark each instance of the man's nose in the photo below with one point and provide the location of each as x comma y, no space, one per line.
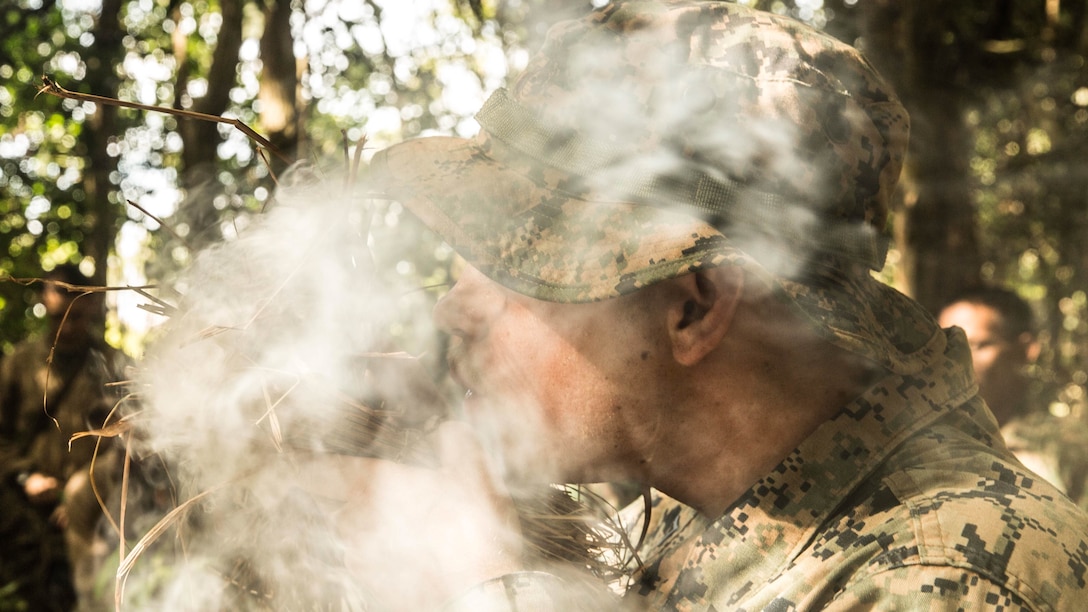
470,305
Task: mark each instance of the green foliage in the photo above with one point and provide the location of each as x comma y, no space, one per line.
1032,211
10,600
1030,128
42,222
361,79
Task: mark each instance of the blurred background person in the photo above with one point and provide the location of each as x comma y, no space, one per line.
1002,335
52,387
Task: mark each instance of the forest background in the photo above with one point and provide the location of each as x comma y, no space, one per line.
994,190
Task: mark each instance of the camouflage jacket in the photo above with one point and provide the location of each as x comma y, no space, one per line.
1055,448
908,500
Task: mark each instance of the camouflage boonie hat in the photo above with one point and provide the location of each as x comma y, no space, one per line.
652,139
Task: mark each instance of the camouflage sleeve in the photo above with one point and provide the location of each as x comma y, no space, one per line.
928,588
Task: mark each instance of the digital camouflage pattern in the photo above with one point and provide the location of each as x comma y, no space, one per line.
1055,448
906,501
654,139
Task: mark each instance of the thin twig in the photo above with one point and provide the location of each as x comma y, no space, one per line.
49,86
150,537
158,220
52,352
357,160
72,288
272,175
126,476
163,308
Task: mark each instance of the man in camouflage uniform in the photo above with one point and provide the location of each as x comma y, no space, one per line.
50,388
1000,330
671,220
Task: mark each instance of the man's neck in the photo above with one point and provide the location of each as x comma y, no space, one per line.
742,428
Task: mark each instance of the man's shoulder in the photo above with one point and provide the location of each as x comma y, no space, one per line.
1042,428
28,355
978,510
1054,447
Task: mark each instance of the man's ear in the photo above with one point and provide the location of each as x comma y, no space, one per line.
701,313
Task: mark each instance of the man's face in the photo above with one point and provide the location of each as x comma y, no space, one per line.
561,392
997,358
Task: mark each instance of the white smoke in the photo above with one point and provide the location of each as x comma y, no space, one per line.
287,339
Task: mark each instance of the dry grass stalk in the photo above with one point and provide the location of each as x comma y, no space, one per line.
49,86
161,223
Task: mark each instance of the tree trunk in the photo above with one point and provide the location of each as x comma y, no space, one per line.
99,128
935,224
279,82
201,139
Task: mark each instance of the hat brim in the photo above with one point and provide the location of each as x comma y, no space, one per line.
516,222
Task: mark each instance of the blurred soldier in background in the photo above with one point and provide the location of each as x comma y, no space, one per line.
52,387
1001,332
